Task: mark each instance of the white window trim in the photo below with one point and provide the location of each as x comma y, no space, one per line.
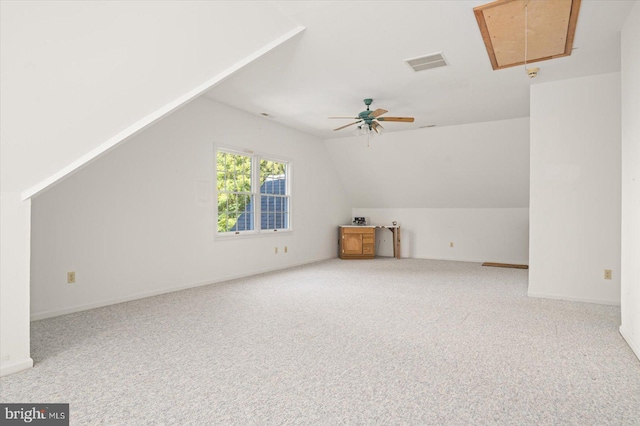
255,185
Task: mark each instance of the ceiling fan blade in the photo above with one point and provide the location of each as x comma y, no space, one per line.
350,124
400,119
351,118
374,126
378,113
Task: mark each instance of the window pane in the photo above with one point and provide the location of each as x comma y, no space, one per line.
267,204
220,181
231,222
244,222
222,222
266,221
273,178
245,204
233,182
280,204
222,202
274,212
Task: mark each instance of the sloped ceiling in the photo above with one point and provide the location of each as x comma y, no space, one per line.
355,50
476,157
74,74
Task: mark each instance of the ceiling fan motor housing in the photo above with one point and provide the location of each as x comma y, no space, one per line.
364,115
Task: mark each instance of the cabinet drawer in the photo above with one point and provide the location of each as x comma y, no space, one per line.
367,248
355,230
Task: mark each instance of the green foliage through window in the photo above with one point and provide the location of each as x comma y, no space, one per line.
234,188
241,205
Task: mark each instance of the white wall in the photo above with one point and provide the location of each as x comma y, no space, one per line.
630,291
465,184
479,235
74,74
79,77
14,293
141,219
575,189
479,165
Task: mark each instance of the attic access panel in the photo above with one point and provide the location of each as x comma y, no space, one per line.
551,28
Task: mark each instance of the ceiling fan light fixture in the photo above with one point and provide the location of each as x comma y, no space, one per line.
362,130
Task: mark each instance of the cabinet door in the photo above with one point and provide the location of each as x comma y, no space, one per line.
351,243
368,245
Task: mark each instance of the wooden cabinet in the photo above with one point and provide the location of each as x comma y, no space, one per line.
357,242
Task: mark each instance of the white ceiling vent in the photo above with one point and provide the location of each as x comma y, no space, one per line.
427,62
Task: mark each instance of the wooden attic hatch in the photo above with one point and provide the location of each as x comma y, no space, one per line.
550,25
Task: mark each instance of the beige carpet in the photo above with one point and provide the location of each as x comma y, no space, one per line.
380,341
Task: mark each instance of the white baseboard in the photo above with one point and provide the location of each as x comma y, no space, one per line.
451,259
474,260
635,347
35,316
7,368
574,299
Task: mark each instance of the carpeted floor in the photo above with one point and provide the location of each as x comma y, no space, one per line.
379,341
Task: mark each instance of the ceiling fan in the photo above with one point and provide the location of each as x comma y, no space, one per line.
369,121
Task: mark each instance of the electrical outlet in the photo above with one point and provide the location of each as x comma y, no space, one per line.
286,250
71,277
276,250
451,244
607,274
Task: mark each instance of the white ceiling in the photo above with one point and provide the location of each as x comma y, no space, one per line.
355,50
77,76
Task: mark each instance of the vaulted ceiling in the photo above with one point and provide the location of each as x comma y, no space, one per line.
76,75
355,50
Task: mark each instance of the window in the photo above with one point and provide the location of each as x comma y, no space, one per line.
253,193
235,194
274,201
